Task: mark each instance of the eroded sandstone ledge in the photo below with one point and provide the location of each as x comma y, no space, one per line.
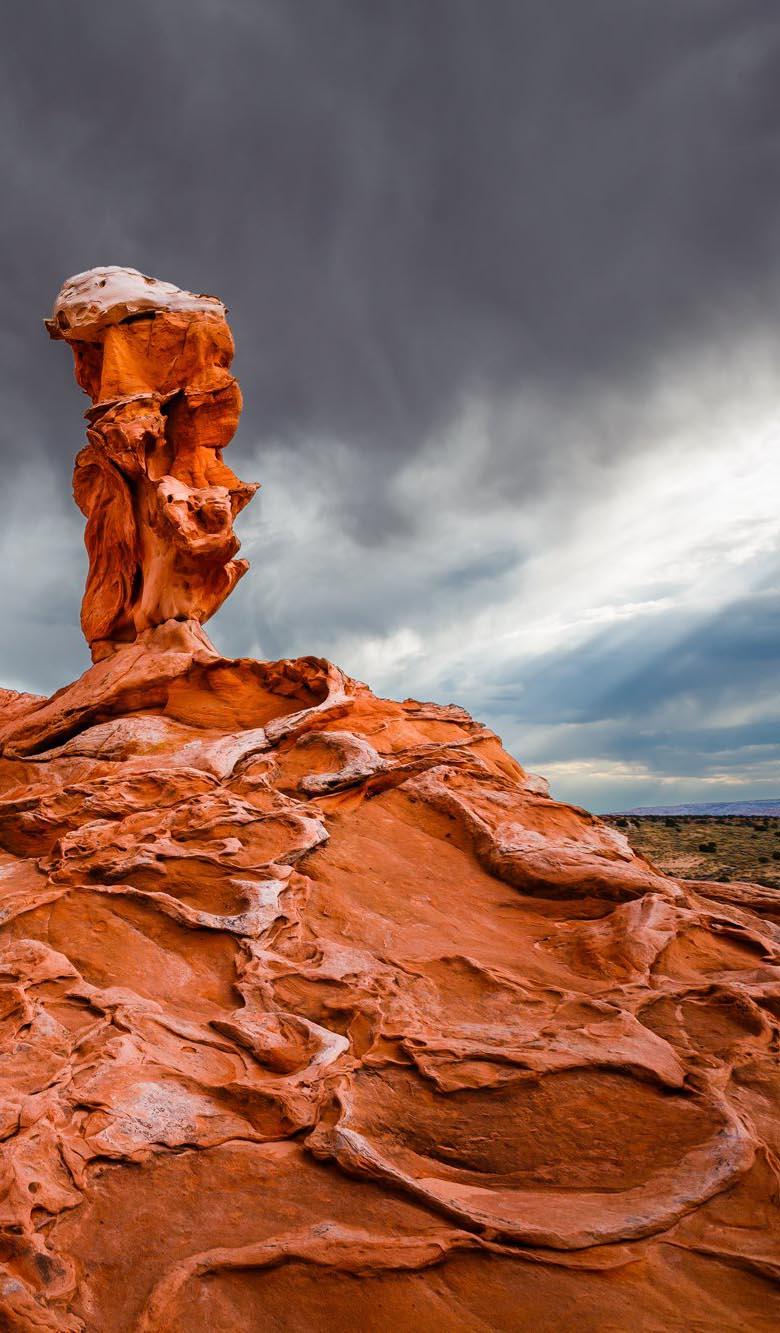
318,1013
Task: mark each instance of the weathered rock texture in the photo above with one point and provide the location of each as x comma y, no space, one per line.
317,1012
158,499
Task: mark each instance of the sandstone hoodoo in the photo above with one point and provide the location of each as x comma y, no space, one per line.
158,499
317,1011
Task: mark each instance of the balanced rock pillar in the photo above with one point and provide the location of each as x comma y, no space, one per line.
158,498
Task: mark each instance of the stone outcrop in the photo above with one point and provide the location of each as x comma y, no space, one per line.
319,1012
158,498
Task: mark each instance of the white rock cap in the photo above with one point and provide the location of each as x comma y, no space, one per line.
89,302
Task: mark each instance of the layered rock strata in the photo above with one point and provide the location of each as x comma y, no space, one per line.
318,1013
316,1010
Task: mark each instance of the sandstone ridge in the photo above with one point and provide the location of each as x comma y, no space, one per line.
296,979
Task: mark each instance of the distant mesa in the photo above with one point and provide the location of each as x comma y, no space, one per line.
707,809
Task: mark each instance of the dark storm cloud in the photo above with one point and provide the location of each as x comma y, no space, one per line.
409,207
401,203
624,672
703,701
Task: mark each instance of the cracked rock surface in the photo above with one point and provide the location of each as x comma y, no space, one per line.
317,1012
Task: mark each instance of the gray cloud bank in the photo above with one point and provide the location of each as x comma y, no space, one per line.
504,281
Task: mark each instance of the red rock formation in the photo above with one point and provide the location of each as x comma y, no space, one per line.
158,499
317,1012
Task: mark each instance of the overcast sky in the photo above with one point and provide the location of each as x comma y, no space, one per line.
504,277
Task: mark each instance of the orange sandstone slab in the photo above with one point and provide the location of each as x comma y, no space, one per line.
314,1008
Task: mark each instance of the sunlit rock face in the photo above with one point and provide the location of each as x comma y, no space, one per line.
318,1012
158,498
